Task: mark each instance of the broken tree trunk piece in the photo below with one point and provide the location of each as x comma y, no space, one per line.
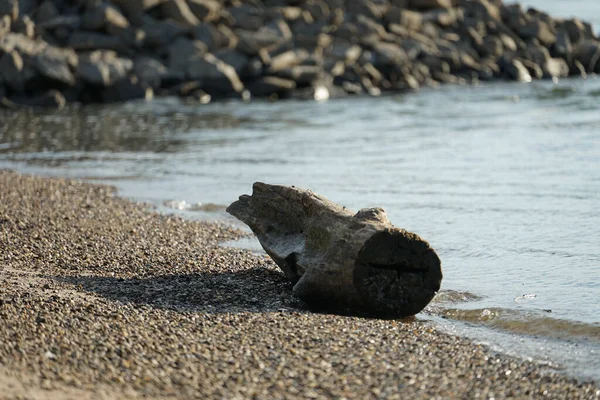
338,259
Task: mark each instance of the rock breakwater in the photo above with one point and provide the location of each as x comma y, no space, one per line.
90,51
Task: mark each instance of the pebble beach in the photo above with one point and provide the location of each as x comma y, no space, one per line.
101,297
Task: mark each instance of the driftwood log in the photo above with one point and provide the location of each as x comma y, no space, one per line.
337,259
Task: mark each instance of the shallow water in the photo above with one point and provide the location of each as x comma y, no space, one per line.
502,179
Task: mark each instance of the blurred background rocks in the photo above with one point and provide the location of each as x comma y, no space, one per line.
88,51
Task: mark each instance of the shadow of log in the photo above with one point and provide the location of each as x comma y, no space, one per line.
252,290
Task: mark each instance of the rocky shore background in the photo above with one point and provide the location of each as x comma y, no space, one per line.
90,51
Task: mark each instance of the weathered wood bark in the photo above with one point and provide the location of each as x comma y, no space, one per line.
338,259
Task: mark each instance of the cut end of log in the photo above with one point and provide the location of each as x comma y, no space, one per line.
397,273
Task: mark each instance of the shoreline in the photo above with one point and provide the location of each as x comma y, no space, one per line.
99,293
120,50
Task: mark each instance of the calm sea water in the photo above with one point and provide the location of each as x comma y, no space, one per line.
502,179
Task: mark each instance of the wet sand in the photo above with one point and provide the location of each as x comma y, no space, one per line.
102,298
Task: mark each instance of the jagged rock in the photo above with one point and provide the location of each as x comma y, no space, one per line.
535,53
127,89
539,30
27,7
82,40
408,19
287,60
9,8
429,4
103,68
252,43
508,42
515,70
444,17
135,9
562,47
162,33
208,34
46,11
56,64
319,10
179,11
104,17
588,54
5,23
555,68
205,10
578,69
25,26
576,30
388,54
150,71
71,22
21,43
271,85
183,51
218,78
238,60
11,68
337,259
95,73
344,50
534,69
247,17
301,74
481,10
50,99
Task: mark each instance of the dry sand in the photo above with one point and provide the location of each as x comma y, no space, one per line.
101,298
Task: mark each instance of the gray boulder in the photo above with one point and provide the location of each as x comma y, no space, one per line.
270,85
429,4
11,70
10,8
152,73
24,25
22,44
555,68
126,89
103,68
162,33
301,74
182,51
5,23
247,17
287,60
104,17
135,9
588,54
56,64
217,77
179,11
562,47
83,40
205,10
408,19
515,70
238,60
46,11
50,99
